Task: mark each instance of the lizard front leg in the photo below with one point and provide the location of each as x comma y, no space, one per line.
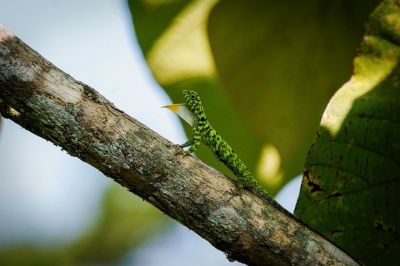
195,141
187,143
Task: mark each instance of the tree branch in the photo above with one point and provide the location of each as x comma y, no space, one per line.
247,226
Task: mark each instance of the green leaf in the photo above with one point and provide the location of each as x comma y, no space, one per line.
350,190
265,69
281,61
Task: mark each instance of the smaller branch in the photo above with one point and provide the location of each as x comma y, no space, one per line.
247,226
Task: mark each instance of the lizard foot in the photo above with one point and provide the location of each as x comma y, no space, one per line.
179,151
187,153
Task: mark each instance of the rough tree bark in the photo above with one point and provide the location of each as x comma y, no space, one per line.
247,226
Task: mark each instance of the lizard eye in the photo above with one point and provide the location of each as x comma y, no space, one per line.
193,97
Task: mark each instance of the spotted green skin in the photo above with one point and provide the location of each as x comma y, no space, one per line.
203,132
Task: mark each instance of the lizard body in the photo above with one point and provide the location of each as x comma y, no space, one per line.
204,133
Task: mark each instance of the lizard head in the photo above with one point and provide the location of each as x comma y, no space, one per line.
193,102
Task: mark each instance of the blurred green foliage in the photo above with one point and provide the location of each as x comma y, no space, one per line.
350,190
265,69
124,223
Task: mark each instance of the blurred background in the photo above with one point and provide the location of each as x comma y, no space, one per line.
265,72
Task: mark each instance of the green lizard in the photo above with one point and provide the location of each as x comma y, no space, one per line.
192,111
